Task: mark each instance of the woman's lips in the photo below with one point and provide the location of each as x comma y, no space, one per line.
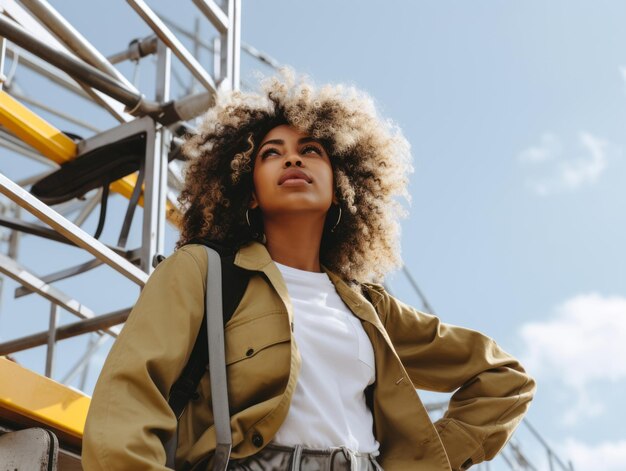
295,175
294,182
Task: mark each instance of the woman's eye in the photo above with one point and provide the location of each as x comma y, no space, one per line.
309,149
268,152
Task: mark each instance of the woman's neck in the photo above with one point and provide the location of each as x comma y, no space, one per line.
295,242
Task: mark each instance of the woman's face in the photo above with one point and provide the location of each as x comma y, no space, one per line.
292,173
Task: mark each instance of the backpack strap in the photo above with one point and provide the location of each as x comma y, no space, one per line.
217,363
234,283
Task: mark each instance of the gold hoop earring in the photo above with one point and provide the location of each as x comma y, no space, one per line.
338,219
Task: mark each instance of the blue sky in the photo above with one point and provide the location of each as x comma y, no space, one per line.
515,112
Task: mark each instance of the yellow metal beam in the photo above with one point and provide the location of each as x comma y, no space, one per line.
53,144
35,131
25,394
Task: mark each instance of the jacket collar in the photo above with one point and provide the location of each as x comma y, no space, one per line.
254,256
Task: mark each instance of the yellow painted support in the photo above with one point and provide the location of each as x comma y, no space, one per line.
53,144
35,131
24,393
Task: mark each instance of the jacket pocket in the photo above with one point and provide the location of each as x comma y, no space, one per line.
258,358
247,340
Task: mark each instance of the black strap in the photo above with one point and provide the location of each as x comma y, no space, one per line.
234,283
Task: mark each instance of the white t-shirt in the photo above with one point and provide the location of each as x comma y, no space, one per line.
328,408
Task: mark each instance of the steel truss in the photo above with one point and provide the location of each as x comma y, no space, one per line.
34,36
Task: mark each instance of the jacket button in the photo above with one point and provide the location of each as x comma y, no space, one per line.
250,352
257,440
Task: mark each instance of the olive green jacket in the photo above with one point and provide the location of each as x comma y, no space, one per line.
129,418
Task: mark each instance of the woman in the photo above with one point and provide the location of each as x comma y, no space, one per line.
322,362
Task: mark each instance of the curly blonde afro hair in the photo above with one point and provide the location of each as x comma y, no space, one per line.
370,157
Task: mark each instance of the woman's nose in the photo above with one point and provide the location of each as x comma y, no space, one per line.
293,159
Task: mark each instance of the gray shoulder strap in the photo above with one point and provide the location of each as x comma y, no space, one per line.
217,360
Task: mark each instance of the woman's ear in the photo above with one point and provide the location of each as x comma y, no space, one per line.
254,203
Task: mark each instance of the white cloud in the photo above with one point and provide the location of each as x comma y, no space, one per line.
605,456
587,169
565,173
583,342
549,149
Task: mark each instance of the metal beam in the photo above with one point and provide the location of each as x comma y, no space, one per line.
52,329
55,145
42,106
137,49
71,231
427,307
61,275
35,131
41,67
233,43
3,50
132,255
83,362
24,18
214,14
155,189
170,39
105,321
33,228
78,69
18,273
10,142
75,41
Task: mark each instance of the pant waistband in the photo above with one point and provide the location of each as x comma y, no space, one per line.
276,457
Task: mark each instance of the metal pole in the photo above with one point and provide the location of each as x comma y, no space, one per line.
413,283
70,231
78,69
15,236
196,51
137,49
247,48
214,14
22,149
52,330
233,44
62,29
60,275
217,58
88,208
550,459
92,347
83,362
105,321
3,50
173,43
67,117
551,454
156,171
41,67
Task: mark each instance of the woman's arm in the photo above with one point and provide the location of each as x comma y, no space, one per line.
129,418
492,389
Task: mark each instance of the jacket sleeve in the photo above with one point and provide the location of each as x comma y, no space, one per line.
129,418
491,389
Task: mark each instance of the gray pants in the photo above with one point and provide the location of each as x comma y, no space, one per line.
298,458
